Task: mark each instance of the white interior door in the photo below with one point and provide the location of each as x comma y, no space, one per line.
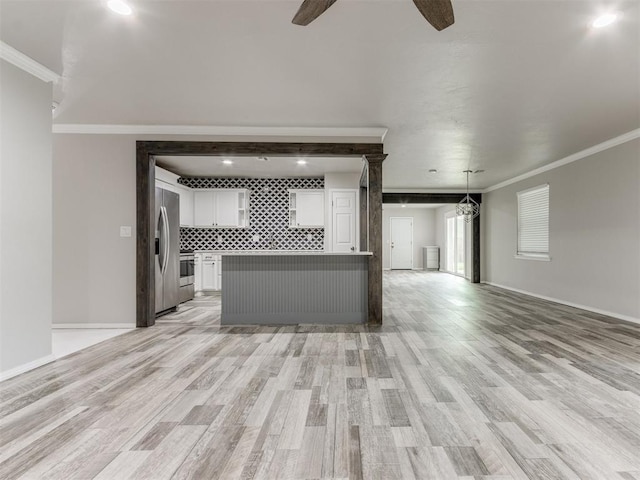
343,213
401,243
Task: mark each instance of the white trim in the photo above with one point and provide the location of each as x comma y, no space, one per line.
527,190
92,325
614,142
539,258
26,367
28,64
377,133
620,316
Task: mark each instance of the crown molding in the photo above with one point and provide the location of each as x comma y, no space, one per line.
377,133
601,147
28,64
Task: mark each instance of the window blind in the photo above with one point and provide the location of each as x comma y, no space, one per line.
533,221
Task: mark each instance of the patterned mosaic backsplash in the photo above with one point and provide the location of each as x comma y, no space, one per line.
268,217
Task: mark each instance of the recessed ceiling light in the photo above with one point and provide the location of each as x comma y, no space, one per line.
403,205
302,162
120,6
433,170
263,159
604,20
226,161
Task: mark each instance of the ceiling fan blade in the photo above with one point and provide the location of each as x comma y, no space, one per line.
310,10
438,13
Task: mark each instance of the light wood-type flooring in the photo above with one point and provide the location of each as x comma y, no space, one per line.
463,381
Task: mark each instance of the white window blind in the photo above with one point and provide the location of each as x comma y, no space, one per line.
533,222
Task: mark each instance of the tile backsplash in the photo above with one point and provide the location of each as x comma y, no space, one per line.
268,217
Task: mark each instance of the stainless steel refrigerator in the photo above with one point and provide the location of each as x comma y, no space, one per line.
167,246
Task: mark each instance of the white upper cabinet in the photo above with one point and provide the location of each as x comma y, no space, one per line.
186,206
226,208
306,208
203,208
221,208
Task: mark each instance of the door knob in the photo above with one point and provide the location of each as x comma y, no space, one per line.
353,249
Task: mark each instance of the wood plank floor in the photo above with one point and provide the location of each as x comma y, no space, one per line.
462,381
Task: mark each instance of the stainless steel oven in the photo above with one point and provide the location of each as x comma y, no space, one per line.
187,275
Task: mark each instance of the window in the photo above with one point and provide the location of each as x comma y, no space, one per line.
533,223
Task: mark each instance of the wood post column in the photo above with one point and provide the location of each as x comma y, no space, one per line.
374,196
475,246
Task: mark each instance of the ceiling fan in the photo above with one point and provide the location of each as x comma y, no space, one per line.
438,13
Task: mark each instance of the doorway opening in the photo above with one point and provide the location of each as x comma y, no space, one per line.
456,245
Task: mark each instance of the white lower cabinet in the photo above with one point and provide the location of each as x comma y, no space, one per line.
208,272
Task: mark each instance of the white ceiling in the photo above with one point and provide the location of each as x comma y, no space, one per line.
251,167
512,86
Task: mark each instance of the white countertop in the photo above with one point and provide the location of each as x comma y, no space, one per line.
281,252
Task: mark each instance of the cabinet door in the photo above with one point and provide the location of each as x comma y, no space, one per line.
203,212
309,209
209,277
186,206
226,208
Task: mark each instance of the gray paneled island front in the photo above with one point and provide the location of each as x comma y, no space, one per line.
291,287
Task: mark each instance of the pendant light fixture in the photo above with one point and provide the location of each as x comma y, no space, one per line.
468,207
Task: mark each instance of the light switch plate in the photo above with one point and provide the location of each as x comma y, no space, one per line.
256,238
125,231
309,237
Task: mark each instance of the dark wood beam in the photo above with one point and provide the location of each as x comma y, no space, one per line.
364,231
261,148
145,197
409,198
145,237
475,250
374,195
364,176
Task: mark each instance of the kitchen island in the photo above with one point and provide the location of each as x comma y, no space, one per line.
292,287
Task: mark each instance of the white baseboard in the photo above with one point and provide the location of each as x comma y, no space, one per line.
93,325
620,316
26,367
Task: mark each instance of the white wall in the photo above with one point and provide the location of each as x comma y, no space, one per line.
25,220
94,193
339,181
594,237
424,231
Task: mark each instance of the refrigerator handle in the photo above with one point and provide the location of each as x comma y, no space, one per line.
165,240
